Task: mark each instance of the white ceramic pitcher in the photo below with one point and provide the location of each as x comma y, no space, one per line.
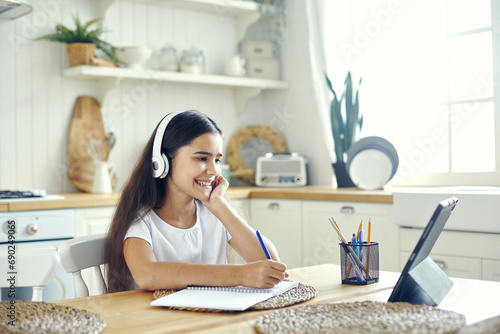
103,175
236,66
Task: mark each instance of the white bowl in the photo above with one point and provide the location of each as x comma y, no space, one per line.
133,56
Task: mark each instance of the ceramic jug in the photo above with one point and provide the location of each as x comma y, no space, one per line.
236,66
103,175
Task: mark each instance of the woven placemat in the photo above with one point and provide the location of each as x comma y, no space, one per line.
42,317
361,317
299,294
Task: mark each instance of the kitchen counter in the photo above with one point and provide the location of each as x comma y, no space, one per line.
312,193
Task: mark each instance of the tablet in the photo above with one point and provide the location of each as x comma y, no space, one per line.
422,281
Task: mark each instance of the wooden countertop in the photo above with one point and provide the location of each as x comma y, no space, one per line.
311,193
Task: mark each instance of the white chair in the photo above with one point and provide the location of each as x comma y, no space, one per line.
82,253
33,268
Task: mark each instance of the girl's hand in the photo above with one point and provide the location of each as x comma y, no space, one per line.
219,187
263,274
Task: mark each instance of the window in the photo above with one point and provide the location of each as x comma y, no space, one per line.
428,71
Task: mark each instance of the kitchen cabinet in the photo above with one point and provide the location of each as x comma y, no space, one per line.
321,243
459,254
280,221
491,270
303,236
88,221
244,13
453,266
93,220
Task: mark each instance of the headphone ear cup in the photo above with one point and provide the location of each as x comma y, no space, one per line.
167,166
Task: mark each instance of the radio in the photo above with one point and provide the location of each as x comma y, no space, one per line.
281,170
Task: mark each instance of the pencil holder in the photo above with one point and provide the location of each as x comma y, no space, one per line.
359,263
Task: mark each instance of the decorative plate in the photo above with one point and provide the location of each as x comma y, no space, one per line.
372,162
370,169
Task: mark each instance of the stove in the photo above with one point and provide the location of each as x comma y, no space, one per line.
14,194
39,229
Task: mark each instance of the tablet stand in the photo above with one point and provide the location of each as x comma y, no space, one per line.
425,284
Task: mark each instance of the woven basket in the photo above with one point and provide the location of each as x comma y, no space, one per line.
80,54
366,317
23,317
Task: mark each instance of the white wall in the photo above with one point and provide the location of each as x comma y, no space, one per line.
36,102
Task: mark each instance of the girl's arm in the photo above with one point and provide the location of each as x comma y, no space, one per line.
244,239
150,274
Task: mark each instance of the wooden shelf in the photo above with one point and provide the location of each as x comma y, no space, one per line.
110,77
245,13
103,72
223,7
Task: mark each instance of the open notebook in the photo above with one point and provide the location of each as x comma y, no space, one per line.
237,298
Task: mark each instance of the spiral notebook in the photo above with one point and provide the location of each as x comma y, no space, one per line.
237,298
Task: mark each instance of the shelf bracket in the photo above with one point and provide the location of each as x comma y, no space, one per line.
242,95
243,22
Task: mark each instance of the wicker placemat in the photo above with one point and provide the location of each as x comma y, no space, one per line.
361,317
41,317
299,294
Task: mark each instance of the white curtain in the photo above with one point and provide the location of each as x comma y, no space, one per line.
317,58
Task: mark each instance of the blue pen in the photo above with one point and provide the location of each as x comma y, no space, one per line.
263,245
355,248
355,242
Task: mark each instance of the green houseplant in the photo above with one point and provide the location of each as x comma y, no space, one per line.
82,42
272,21
346,123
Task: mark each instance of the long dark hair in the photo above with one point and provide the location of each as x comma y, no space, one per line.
143,192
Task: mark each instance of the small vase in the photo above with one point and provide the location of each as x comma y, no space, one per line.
343,178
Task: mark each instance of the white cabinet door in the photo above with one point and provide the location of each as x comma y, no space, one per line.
321,243
93,220
459,254
491,270
453,266
280,222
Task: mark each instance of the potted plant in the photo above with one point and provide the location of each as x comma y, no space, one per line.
346,124
82,42
272,21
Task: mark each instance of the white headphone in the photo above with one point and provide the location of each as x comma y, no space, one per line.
160,160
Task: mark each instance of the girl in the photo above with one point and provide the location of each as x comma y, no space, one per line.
172,225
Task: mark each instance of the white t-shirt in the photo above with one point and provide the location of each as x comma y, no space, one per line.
204,243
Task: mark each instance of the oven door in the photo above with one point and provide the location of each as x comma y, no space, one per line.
62,285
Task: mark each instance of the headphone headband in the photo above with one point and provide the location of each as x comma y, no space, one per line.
159,160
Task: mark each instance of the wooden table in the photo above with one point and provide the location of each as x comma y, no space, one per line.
130,311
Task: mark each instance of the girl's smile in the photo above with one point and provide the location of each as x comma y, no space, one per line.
196,166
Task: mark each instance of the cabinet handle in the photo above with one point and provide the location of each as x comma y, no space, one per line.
441,264
31,229
347,209
273,206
